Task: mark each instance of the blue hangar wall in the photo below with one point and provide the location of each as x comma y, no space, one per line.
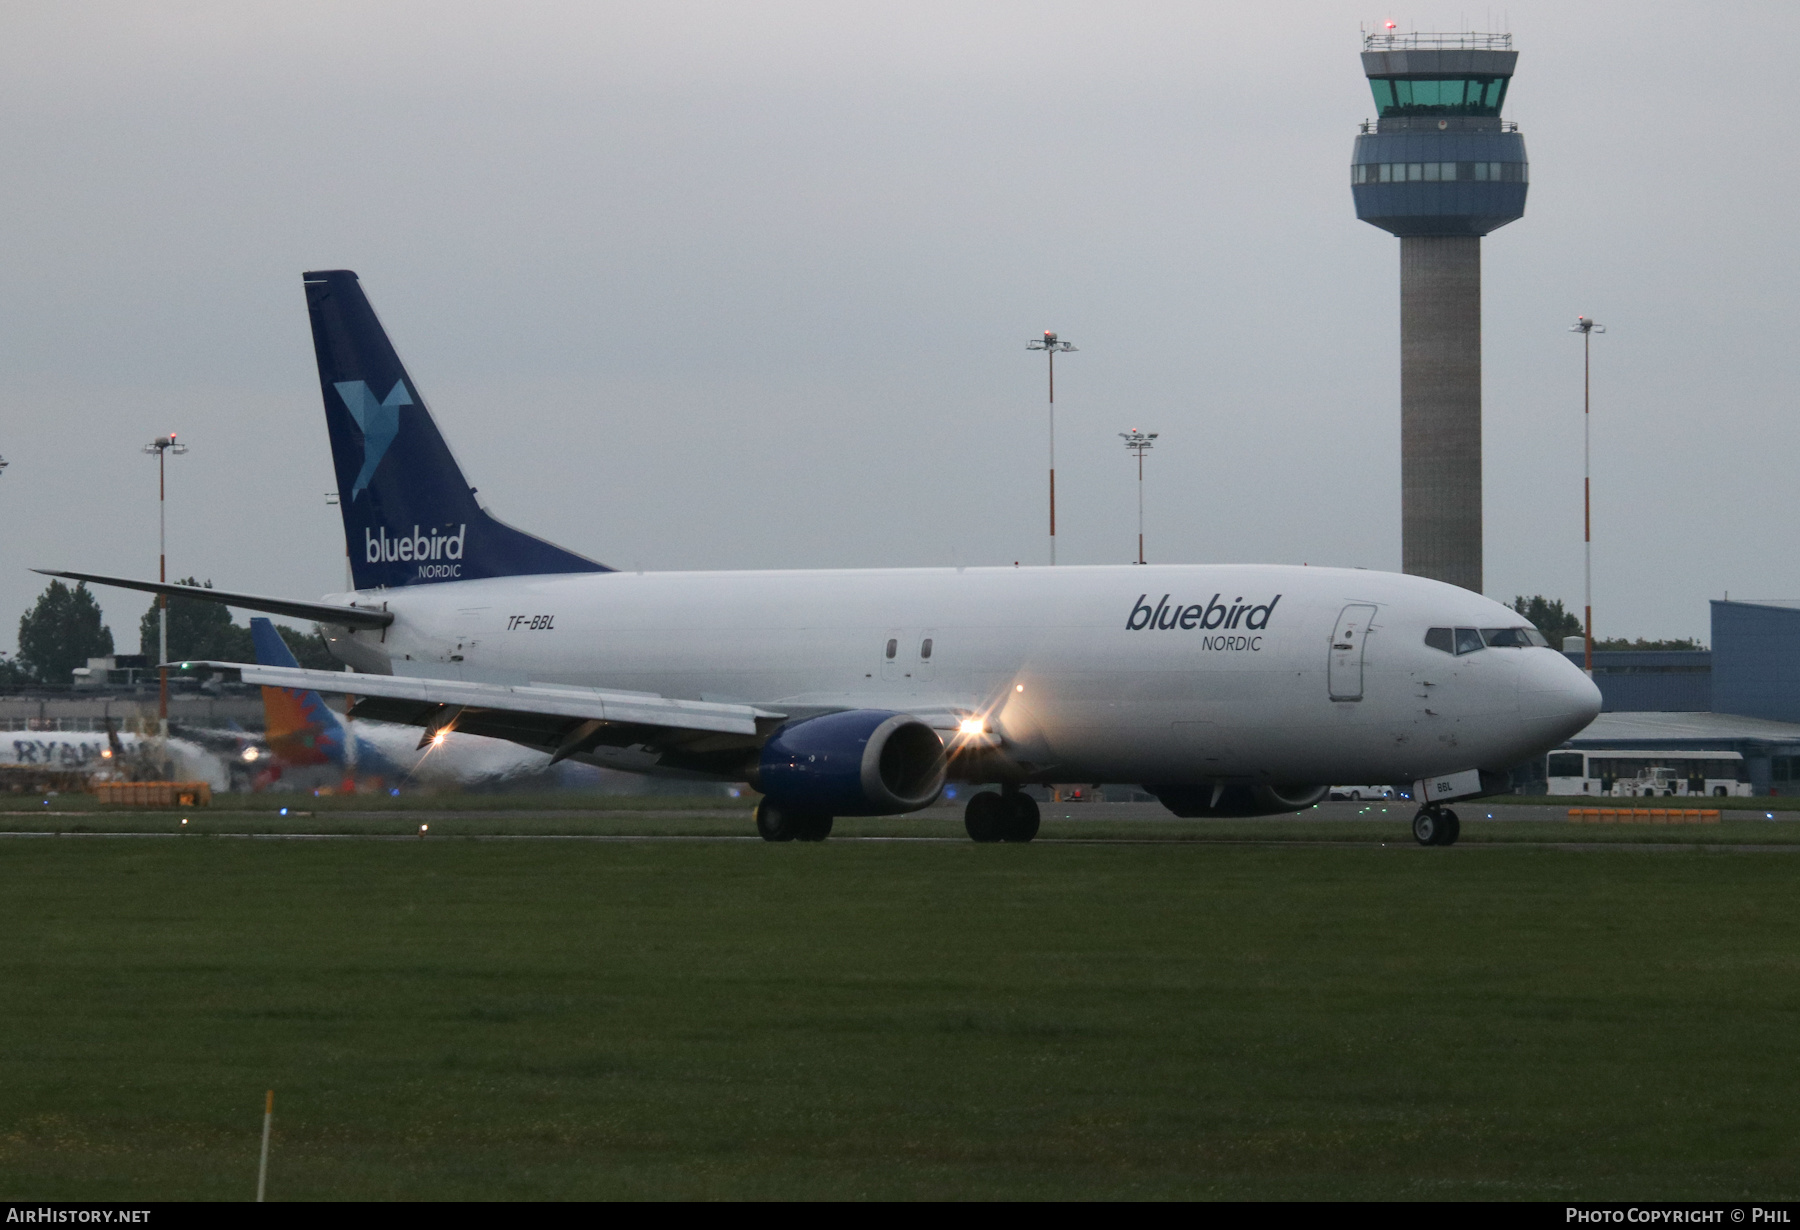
1652,681
1752,670
1756,660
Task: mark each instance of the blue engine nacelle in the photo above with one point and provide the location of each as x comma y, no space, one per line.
866,762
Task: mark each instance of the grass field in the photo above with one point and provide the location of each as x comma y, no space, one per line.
572,815
519,1019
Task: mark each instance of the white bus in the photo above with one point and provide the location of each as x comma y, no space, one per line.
1626,774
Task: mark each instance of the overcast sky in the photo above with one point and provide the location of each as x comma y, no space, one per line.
749,285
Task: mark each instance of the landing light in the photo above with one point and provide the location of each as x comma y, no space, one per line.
972,726
438,737
251,753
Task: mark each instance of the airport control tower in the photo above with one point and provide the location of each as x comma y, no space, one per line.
1440,169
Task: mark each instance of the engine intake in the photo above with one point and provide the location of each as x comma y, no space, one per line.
1237,799
866,762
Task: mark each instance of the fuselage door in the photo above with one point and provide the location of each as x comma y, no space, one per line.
927,646
1345,674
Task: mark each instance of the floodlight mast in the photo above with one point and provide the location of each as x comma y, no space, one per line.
1050,344
162,446
1140,443
1587,329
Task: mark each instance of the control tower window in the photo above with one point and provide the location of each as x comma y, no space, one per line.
1436,97
1437,172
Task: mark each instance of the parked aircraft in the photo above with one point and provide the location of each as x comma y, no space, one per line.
303,732
112,755
1227,690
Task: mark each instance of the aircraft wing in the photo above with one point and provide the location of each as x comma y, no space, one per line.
553,718
318,612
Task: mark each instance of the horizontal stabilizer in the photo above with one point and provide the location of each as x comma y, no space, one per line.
318,612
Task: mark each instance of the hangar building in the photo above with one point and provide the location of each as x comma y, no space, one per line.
1742,695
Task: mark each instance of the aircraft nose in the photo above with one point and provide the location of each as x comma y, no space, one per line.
1558,695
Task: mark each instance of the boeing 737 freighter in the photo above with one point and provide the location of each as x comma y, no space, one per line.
1225,690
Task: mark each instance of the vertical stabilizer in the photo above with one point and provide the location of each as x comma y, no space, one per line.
410,517
299,727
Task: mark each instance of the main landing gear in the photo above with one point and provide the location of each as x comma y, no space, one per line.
1436,826
1011,816
777,823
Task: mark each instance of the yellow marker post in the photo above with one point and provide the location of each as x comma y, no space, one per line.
262,1170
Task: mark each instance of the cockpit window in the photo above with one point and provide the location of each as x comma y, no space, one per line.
1441,638
1468,640
1513,638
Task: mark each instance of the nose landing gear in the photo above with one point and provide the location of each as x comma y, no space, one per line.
1436,826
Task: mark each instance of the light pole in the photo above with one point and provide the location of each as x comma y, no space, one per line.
162,446
1587,329
1050,345
1140,443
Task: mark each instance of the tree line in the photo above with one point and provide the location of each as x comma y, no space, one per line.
63,629
1548,616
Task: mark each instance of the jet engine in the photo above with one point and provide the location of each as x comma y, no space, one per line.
1235,799
865,762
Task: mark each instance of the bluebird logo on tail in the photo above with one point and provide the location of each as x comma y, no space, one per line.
410,514
379,422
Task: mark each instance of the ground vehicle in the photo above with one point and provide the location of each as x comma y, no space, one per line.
1629,773
1358,793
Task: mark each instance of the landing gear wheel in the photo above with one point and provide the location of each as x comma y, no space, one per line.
1452,828
1436,826
985,816
777,823
1021,818
773,824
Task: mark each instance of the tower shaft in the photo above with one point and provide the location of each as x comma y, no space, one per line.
1439,169
1440,408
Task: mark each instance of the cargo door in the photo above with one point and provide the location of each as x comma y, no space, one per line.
1345,673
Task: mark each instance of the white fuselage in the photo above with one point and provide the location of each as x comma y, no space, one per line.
1232,677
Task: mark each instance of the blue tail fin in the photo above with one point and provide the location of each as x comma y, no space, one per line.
410,518
298,726
271,650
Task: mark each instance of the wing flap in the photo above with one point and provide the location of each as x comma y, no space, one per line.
415,701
